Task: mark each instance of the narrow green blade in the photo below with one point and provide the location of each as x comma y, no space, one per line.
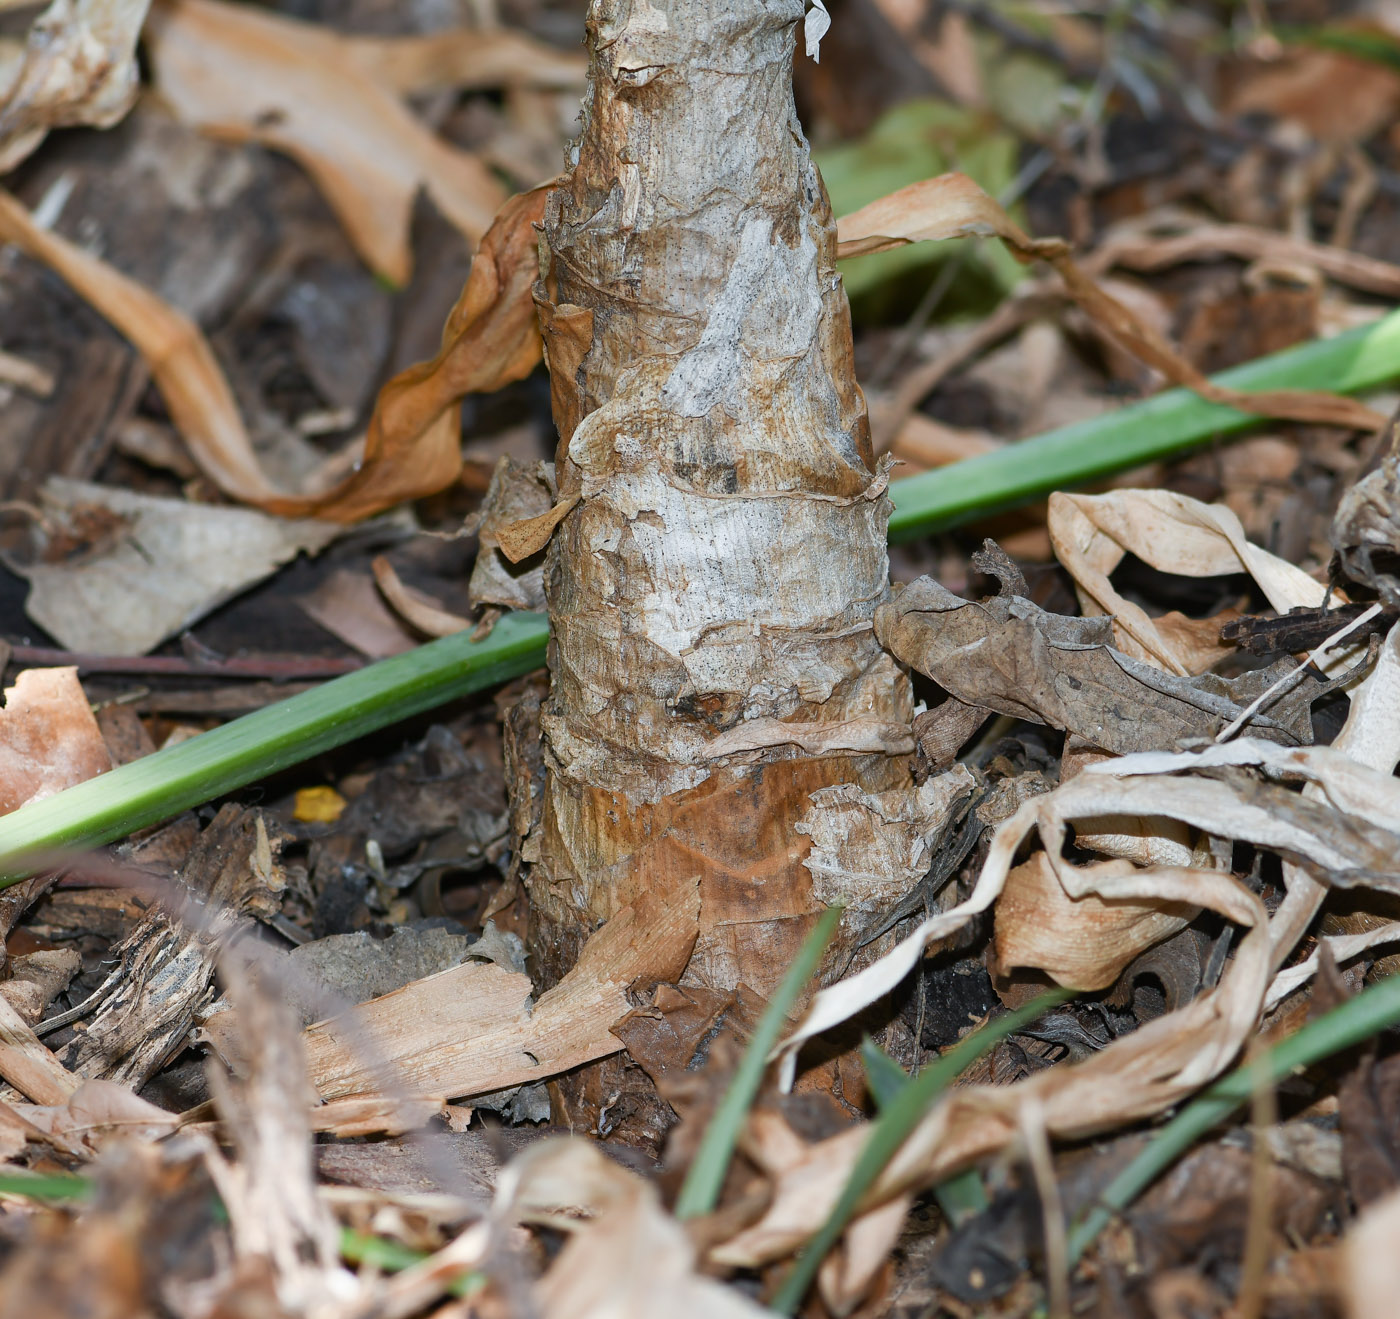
162,785
1161,427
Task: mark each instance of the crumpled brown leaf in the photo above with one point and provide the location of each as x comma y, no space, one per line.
1009,655
412,447
517,494
1341,828
250,75
953,206
77,66
1082,943
1091,534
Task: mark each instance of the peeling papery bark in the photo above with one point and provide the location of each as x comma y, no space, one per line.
711,595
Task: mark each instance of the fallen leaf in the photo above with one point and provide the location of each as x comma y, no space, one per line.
162,564
471,1030
1009,655
49,739
628,1259
181,362
1173,533
517,493
953,206
413,446
1142,246
77,66
1081,943
466,59
250,75
415,606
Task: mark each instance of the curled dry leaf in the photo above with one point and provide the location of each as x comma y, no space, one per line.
628,1259
517,494
1173,533
77,65
182,364
413,445
953,206
1129,246
250,75
1082,943
413,605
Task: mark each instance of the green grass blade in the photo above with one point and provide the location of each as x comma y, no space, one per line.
157,787
960,1197
162,785
891,1129
46,1186
1354,1021
705,1176
1161,427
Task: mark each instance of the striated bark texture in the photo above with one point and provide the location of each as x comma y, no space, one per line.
713,663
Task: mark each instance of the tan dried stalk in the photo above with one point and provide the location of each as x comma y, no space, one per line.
711,596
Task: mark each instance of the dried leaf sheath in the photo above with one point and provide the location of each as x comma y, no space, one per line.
715,585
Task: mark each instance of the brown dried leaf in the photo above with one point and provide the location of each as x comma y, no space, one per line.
1009,655
182,364
99,1111
465,60
519,540
629,1259
1139,246
49,739
952,206
1335,96
413,445
1082,943
250,75
471,1030
517,494
1173,533
413,605
78,66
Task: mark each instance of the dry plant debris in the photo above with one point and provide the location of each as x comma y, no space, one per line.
436,1024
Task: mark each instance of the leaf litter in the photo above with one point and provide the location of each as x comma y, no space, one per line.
1155,801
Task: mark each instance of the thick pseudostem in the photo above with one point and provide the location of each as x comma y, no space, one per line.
713,663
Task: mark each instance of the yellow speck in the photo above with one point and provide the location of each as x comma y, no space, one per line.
320,805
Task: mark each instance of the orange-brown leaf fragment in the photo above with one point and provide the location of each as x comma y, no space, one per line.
49,739
413,447
953,206
245,74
